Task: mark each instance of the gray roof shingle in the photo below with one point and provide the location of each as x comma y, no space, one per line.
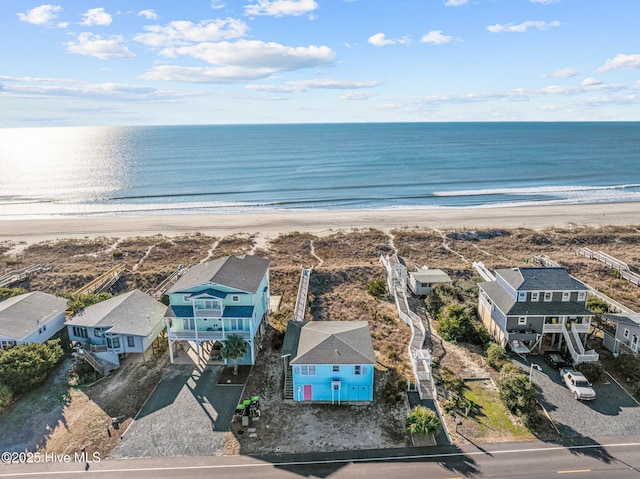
243,273
541,279
23,314
134,313
334,342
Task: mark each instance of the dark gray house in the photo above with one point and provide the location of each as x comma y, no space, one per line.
522,305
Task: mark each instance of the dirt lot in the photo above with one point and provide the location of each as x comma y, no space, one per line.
344,263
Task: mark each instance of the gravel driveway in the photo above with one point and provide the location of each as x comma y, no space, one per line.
187,415
612,413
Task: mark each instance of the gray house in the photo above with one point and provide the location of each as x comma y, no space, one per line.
30,318
627,337
124,326
421,282
523,305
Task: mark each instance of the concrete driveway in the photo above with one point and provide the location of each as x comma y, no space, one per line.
187,415
612,413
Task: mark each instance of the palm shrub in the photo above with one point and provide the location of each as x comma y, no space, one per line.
422,420
233,348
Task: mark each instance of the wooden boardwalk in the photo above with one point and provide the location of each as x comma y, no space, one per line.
21,274
303,290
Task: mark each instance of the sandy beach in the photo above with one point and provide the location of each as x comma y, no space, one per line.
321,222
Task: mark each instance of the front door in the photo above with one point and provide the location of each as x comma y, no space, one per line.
307,392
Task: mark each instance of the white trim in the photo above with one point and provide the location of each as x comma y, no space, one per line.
535,296
544,296
522,296
566,296
582,295
522,320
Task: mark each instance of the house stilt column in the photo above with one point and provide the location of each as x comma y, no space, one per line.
169,339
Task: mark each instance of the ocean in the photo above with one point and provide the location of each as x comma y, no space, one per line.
94,171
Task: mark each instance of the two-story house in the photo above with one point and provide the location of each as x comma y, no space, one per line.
126,325
522,305
229,295
328,361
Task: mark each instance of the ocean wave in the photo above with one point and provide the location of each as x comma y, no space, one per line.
537,190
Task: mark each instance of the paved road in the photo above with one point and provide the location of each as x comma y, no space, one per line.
613,458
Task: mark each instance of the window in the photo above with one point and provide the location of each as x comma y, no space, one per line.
80,332
566,296
522,296
581,295
98,333
236,324
188,324
308,370
235,298
357,370
44,327
131,342
626,333
522,320
336,368
207,304
113,343
535,296
548,295
186,298
8,344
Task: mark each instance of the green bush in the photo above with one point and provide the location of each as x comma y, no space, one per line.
77,302
594,372
6,396
496,356
434,304
422,420
515,391
596,305
455,325
25,367
377,288
6,293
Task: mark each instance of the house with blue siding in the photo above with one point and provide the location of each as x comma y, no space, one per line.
212,300
329,362
126,325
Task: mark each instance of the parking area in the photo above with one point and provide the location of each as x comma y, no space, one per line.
187,415
612,413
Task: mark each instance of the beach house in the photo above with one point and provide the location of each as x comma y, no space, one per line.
30,318
212,300
627,335
125,326
329,361
523,306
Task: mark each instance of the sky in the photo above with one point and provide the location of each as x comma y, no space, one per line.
159,62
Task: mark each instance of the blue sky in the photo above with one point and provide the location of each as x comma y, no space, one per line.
133,62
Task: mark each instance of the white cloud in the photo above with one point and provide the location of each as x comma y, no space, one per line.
436,37
30,87
95,46
590,81
205,74
455,3
41,15
217,4
352,96
380,40
544,2
185,32
280,8
522,27
628,62
149,14
562,73
258,54
240,61
96,16
323,84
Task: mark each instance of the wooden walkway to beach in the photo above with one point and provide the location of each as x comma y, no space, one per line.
303,290
21,274
613,263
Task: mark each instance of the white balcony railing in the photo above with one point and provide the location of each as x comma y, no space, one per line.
552,328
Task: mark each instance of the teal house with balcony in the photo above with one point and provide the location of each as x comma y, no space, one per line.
212,300
329,362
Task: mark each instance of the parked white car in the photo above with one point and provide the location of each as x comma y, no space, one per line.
577,384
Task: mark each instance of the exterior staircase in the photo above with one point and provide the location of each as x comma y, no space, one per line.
288,383
102,366
576,349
